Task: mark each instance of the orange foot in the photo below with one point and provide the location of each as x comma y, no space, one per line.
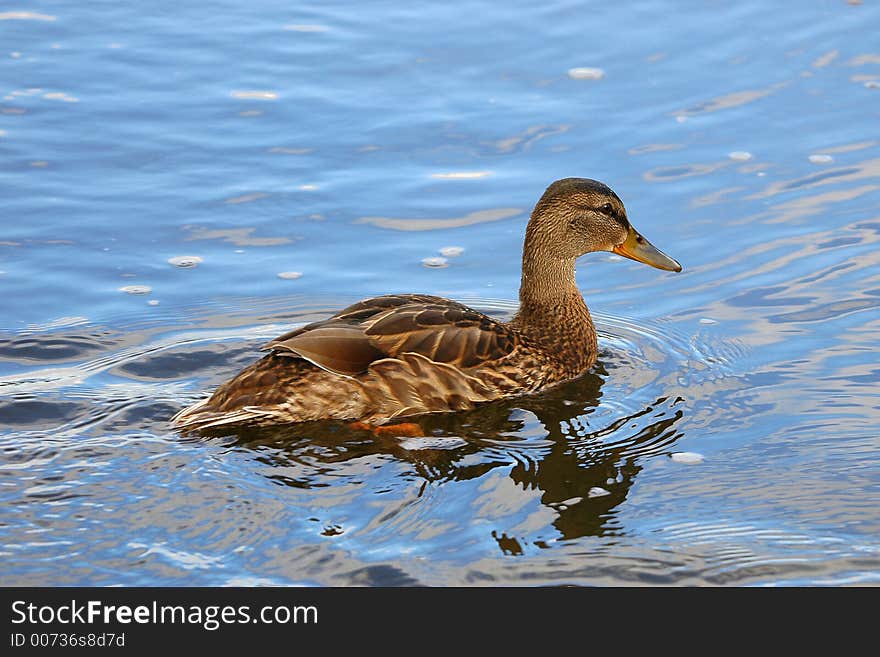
408,429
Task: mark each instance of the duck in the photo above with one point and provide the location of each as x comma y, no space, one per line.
398,356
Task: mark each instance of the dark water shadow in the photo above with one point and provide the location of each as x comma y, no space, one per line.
583,466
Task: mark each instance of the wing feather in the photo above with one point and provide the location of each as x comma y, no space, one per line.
387,327
451,333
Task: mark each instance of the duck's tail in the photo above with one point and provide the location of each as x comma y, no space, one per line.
202,415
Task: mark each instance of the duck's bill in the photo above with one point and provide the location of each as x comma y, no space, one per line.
638,248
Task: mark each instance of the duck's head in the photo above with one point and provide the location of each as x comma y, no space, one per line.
576,216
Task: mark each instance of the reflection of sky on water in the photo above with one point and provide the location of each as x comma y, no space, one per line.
353,147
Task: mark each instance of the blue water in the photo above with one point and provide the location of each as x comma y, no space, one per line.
733,417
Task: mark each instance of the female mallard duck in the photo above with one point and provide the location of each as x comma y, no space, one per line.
408,354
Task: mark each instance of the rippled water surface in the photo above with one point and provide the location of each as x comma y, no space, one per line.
182,184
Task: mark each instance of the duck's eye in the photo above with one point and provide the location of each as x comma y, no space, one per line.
607,209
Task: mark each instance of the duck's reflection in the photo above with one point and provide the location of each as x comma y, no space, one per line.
583,465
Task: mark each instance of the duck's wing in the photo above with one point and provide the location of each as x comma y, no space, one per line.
443,332
363,311
388,327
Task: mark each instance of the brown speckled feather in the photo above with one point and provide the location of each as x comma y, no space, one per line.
445,333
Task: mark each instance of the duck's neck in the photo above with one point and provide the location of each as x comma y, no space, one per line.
552,311
546,280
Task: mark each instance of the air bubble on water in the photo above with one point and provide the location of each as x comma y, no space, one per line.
306,28
586,73
452,251
611,481
740,156
153,302
597,491
820,158
60,95
252,94
461,175
136,289
435,262
290,275
433,442
688,458
872,84
706,320
185,261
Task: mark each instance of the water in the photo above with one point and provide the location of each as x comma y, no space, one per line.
240,169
